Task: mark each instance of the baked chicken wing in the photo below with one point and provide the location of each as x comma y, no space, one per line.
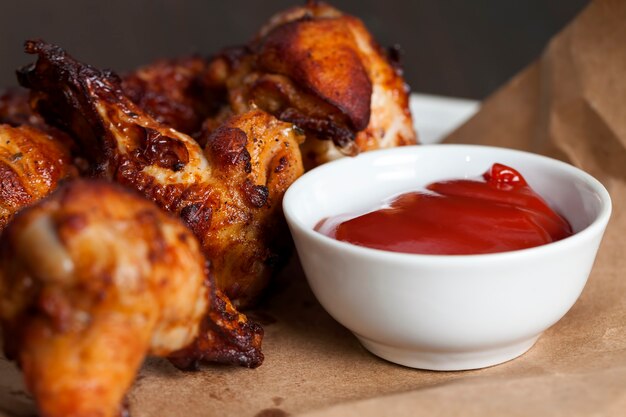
15,109
94,278
180,93
33,157
32,163
229,194
320,69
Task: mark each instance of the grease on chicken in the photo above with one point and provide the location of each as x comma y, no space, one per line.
94,278
229,194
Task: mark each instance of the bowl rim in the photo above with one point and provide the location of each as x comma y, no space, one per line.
596,227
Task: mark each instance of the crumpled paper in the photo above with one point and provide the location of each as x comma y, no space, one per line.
570,104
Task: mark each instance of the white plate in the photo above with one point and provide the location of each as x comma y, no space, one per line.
436,116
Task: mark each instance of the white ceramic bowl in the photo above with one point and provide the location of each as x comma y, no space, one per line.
444,312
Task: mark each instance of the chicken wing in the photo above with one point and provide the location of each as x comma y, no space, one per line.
33,157
32,163
179,93
15,109
229,195
94,278
321,70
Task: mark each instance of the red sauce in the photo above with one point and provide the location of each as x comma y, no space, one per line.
496,213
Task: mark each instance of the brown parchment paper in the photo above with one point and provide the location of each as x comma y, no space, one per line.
571,104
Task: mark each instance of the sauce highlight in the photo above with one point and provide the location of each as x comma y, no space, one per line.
496,213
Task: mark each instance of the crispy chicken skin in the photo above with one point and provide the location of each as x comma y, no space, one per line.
321,70
34,158
95,277
229,194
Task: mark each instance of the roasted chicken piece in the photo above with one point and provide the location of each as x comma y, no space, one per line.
33,157
15,109
229,194
180,93
321,70
32,163
94,278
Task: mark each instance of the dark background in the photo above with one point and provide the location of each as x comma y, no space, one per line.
464,48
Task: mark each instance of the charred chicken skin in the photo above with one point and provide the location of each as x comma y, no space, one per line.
95,277
229,194
320,69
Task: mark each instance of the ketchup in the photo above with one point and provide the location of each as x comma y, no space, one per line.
496,213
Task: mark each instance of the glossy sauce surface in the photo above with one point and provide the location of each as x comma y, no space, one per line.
496,213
